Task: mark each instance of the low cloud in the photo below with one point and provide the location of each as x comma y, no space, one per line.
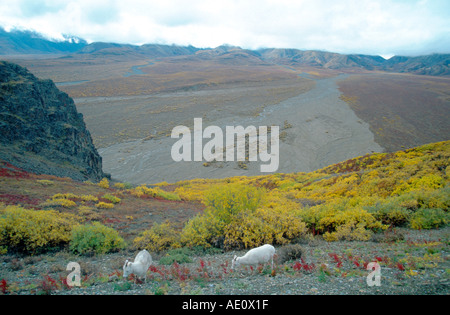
348,26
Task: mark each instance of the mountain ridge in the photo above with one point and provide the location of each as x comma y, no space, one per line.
16,42
28,42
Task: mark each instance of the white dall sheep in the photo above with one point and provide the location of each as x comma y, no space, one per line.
255,256
139,267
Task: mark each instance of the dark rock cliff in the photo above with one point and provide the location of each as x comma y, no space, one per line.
41,130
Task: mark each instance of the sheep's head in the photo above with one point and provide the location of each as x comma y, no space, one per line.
127,270
235,262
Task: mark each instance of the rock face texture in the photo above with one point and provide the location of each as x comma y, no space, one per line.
41,130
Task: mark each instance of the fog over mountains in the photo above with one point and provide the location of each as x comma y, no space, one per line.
18,42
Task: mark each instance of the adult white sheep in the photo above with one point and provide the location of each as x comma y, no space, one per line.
139,267
255,256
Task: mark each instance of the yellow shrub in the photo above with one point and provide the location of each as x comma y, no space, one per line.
104,205
156,192
45,182
189,194
264,226
65,196
224,202
350,232
328,217
202,230
104,183
89,198
231,199
122,185
335,218
245,231
232,225
33,231
66,203
160,237
426,182
119,185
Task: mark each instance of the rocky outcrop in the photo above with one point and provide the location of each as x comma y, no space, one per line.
41,130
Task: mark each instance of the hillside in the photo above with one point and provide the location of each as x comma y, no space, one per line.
41,129
388,208
363,196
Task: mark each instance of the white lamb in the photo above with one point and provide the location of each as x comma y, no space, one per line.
139,267
255,256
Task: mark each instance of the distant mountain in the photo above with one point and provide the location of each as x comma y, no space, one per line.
231,55
18,42
27,42
144,51
42,131
436,64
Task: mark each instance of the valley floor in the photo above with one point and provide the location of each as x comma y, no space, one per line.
317,128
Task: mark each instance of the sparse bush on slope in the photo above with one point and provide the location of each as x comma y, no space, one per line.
159,238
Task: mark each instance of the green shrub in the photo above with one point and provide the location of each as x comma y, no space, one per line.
393,212
229,200
429,219
180,255
125,286
95,238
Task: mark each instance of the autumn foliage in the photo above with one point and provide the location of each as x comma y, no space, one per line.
352,200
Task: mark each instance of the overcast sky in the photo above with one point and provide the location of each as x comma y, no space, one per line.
385,27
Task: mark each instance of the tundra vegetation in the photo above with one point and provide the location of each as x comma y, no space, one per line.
355,200
351,200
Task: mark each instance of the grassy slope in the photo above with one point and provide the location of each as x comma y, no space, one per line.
130,216
408,179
